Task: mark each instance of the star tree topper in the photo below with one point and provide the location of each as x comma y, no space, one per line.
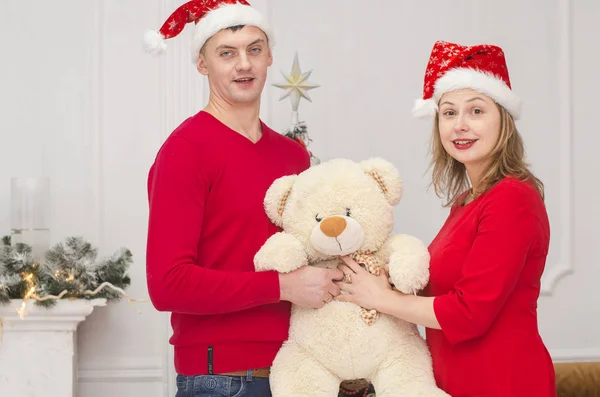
296,85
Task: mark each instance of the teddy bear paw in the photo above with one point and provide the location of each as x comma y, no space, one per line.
409,264
282,252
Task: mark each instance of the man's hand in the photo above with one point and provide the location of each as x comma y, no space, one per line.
310,286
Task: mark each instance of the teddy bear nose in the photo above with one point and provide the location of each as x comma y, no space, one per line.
333,226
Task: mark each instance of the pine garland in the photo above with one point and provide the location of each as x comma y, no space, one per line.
70,271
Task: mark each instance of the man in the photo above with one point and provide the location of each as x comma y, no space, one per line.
207,220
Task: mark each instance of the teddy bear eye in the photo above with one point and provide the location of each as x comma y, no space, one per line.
318,219
347,211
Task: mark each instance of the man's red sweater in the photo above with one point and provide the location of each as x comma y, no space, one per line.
206,222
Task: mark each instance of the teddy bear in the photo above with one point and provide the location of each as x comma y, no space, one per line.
343,207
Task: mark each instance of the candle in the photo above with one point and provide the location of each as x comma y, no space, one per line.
30,213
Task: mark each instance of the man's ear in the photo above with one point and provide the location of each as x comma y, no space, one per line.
277,196
201,64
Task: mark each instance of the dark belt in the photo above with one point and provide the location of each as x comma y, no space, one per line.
256,373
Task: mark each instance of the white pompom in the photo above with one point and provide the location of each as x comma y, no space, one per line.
154,42
424,108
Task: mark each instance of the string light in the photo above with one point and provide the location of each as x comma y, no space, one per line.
30,293
75,274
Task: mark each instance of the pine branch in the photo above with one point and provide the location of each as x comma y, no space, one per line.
70,266
114,271
7,284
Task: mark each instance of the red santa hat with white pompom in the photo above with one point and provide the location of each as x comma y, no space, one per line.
453,67
210,17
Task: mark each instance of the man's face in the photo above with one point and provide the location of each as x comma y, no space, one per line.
236,64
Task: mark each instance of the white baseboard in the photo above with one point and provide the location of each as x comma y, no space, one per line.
567,355
123,371
144,371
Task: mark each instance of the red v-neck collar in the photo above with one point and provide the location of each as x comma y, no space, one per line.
265,131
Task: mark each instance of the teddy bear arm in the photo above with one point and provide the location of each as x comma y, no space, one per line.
281,252
408,263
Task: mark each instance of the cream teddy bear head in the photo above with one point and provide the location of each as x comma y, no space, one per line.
337,207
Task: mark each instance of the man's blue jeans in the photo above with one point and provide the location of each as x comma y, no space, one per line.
222,386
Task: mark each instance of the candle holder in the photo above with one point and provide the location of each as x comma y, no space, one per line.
30,214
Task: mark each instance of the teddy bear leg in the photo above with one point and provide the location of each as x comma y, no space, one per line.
401,379
407,373
295,374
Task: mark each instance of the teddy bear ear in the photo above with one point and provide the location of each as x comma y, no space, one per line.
277,196
387,176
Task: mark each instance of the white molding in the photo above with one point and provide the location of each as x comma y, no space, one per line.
66,315
129,371
575,355
182,88
267,98
96,108
564,266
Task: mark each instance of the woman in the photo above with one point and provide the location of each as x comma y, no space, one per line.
479,308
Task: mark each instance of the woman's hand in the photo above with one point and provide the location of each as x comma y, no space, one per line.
375,292
362,287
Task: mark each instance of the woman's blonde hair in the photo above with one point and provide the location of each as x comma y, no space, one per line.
449,177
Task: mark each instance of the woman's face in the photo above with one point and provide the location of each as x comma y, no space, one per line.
469,125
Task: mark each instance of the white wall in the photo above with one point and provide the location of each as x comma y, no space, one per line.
84,105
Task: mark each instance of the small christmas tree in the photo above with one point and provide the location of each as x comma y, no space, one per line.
299,133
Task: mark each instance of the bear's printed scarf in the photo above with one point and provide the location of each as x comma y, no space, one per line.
372,264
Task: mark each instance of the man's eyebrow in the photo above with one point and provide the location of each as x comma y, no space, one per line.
229,47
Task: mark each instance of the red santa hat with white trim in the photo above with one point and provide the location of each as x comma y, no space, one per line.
209,17
453,67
